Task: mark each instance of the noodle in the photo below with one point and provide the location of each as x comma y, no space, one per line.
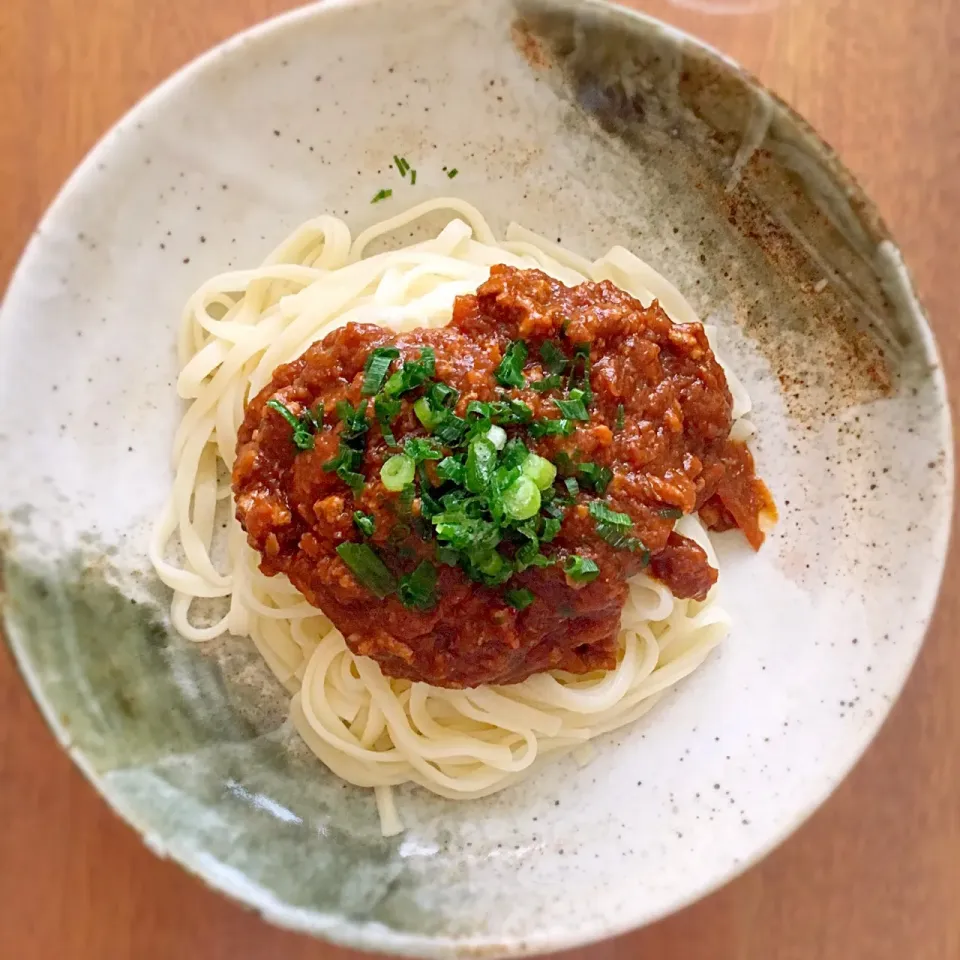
371,730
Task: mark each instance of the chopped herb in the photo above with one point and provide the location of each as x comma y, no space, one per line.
618,427
573,408
519,599
375,369
419,450
670,513
303,426
382,195
368,568
551,527
452,173
347,458
354,481
413,374
596,476
551,428
364,522
603,514
397,472
553,382
582,353
481,460
401,165
418,589
573,488
514,454
581,569
386,411
615,529
413,178
510,371
554,359
451,429
509,412
355,422
453,469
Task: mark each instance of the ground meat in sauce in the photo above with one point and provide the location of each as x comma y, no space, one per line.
672,453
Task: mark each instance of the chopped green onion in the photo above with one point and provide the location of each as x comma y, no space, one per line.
540,470
553,382
452,173
596,476
364,522
451,429
418,589
573,488
581,569
386,410
453,469
426,414
353,480
514,453
481,461
443,395
354,421
413,178
368,568
670,513
397,472
401,165
510,371
551,527
554,359
510,412
618,426
521,499
479,410
519,599
419,450
573,408
551,428
382,195
375,369
603,514
412,374
346,459
302,432
498,437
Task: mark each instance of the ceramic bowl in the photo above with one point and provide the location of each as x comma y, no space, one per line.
583,122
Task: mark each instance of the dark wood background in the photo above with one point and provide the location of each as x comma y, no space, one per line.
876,873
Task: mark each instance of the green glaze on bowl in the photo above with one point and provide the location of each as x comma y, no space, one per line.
583,122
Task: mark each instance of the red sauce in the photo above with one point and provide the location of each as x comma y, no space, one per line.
672,453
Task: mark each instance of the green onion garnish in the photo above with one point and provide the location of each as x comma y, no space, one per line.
418,589
412,374
375,369
618,426
386,410
670,513
554,359
596,476
382,195
521,500
481,460
553,382
419,450
368,568
364,522
452,173
551,428
581,569
573,408
303,426
540,470
616,529
413,177
519,599
509,372
397,472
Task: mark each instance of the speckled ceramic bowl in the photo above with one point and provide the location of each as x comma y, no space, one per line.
583,122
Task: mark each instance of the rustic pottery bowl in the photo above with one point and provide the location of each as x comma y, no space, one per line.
584,122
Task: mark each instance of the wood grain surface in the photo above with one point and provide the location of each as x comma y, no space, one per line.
875,874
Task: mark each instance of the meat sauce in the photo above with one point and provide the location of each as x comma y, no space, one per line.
660,419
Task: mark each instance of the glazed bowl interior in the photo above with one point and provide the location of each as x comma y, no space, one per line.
585,123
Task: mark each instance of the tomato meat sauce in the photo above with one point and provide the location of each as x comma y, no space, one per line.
654,445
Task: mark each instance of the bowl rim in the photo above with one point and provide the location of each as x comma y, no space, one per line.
374,936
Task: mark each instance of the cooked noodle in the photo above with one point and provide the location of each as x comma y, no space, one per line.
371,730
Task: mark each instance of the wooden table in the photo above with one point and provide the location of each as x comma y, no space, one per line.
876,873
